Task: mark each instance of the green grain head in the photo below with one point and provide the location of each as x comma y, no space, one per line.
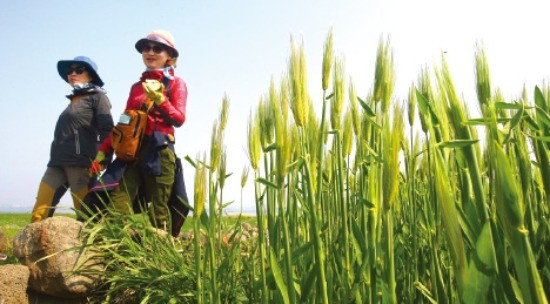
254,140
391,146
223,167
244,176
354,108
284,97
347,134
298,84
384,76
200,190
215,146
338,95
411,105
483,79
224,112
273,96
267,123
328,55
282,139
425,89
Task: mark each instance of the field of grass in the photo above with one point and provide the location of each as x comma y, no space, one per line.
381,200
11,223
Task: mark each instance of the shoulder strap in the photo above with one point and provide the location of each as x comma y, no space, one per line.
168,85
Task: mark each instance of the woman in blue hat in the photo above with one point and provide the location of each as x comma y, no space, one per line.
80,128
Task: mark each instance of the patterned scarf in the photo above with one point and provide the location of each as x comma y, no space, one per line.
83,89
158,74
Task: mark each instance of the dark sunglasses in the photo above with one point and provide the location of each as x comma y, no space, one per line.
78,70
157,48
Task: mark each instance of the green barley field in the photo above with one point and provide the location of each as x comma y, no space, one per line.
375,199
11,223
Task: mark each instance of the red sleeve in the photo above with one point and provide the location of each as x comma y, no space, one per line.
106,146
174,108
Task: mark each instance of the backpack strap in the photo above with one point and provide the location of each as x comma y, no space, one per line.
168,85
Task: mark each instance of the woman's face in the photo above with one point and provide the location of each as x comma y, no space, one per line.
78,73
155,55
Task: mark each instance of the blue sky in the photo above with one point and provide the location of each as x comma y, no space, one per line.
235,47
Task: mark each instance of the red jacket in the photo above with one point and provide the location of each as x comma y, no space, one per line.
163,117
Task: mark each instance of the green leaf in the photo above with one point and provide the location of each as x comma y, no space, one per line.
374,123
366,202
277,274
267,183
458,143
543,117
508,106
478,277
539,98
189,160
308,286
508,197
516,118
271,147
477,122
426,108
300,251
365,107
531,122
227,204
204,219
484,121
358,241
425,291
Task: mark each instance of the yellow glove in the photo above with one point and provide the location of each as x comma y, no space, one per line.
154,90
98,164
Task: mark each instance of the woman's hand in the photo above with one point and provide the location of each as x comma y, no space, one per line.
98,164
154,90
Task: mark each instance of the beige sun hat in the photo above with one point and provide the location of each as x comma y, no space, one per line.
160,36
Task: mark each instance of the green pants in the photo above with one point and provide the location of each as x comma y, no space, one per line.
157,188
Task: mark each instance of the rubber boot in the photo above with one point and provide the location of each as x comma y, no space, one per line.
43,203
59,192
78,197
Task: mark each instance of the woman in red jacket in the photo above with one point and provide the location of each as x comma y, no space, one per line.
166,96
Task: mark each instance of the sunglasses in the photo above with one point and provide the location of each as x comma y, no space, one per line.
78,70
157,48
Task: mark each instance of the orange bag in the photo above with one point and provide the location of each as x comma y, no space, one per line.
128,133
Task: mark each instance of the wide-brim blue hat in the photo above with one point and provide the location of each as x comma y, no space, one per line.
63,68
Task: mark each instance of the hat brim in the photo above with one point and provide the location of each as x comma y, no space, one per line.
141,42
63,68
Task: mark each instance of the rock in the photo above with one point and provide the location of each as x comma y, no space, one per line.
13,284
50,249
247,227
35,297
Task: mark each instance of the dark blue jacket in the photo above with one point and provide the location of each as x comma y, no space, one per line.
80,128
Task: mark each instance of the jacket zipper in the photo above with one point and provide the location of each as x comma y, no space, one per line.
77,141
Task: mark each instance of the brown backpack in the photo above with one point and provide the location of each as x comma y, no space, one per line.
128,133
